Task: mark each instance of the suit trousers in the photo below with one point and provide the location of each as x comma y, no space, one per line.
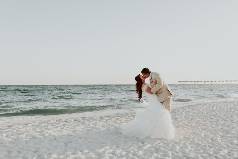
167,104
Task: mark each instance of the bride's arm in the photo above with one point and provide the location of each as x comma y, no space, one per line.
147,89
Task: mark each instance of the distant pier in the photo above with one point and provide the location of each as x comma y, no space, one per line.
210,82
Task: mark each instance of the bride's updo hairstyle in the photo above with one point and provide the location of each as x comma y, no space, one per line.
139,84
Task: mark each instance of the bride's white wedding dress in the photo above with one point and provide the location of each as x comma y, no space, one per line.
155,122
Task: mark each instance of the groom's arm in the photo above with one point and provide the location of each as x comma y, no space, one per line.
158,83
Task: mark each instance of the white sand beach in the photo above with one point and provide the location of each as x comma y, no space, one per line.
207,130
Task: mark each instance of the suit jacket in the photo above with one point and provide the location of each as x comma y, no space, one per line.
159,87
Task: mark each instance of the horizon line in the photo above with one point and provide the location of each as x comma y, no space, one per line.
106,84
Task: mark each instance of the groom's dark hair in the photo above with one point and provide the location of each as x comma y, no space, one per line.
145,71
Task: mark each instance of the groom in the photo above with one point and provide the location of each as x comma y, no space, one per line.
158,87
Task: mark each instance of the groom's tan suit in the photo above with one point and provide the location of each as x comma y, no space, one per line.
161,89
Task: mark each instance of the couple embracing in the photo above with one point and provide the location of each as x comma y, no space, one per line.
157,87
154,120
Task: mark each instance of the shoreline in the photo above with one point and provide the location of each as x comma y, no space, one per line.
205,130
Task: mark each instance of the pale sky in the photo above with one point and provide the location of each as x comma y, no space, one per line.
110,41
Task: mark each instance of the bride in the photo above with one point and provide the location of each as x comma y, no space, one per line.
155,121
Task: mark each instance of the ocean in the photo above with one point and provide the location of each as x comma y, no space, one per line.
65,99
